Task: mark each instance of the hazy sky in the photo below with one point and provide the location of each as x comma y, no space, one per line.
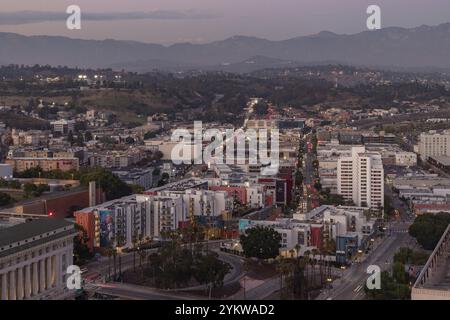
169,21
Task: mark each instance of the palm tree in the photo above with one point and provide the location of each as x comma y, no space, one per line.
109,254
284,267
134,241
297,249
314,262
120,242
142,257
306,257
114,255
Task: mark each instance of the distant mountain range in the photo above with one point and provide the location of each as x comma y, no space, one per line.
417,48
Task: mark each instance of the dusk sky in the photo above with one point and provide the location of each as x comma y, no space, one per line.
170,21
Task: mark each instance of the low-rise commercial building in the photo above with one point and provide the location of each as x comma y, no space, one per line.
137,176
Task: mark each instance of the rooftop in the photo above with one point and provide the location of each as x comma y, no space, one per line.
31,229
442,160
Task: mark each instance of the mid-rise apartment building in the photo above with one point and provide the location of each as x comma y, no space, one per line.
124,222
433,143
361,178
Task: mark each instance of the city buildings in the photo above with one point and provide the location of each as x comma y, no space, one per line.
28,138
46,164
137,176
360,178
124,222
205,204
63,126
345,226
34,257
116,159
433,143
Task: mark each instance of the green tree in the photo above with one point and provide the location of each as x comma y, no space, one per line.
261,242
81,251
5,199
111,184
136,188
29,189
390,289
88,136
261,108
428,229
209,270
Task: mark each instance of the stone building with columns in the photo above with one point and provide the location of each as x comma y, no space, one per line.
34,257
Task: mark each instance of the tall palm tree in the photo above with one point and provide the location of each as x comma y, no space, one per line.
142,257
109,253
114,255
306,258
285,267
120,243
134,241
297,249
314,262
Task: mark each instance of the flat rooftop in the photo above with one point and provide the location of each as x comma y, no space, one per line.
442,160
26,230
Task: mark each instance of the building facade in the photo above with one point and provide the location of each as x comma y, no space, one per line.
46,164
433,143
34,257
361,178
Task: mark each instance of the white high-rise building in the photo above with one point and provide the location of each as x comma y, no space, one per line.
434,144
361,178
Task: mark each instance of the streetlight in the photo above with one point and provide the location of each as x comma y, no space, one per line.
342,273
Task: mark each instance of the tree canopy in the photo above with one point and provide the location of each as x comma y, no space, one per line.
261,242
428,229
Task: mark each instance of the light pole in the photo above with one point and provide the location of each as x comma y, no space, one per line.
342,273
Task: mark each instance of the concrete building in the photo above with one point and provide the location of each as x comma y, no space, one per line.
360,178
63,126
203,203
293,233
433,144
27,138
46,164
116,159
320,226
441,162
137,176
119,222
433,281
34,257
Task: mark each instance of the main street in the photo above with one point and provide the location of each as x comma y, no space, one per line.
351,285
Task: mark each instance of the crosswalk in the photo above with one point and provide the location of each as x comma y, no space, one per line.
398,230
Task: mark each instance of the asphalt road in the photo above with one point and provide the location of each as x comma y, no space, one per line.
351,285
136,292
